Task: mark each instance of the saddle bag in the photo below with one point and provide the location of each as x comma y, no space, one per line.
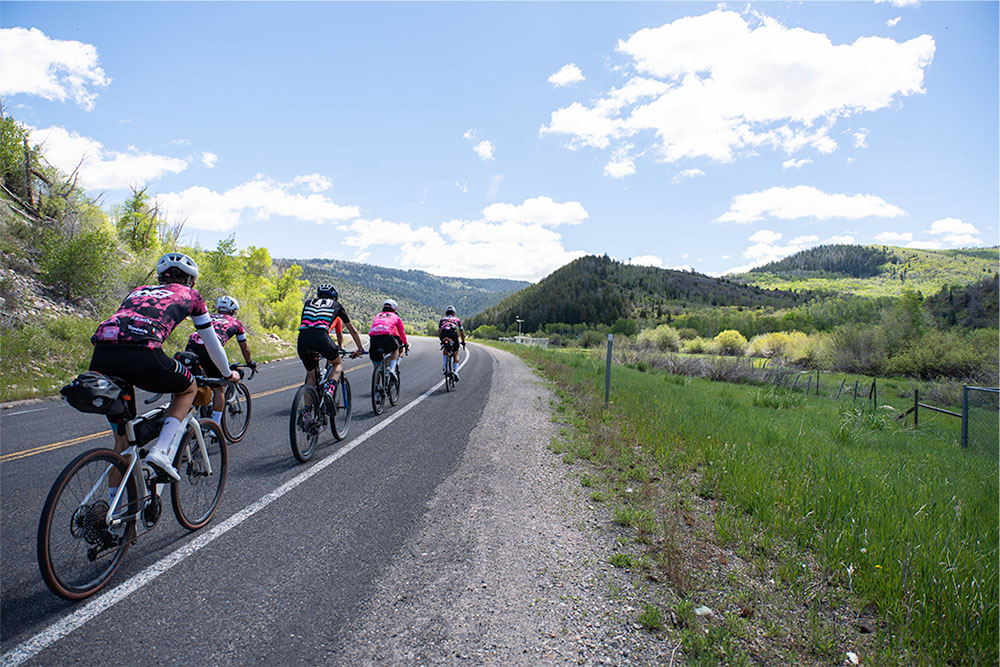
190,361
95,393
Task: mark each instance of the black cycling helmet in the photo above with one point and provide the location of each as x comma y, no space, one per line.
450,310
326,290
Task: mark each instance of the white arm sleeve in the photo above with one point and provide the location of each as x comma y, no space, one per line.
212,343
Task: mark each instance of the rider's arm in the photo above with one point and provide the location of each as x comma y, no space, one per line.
402,332
245,349
203,323
354,335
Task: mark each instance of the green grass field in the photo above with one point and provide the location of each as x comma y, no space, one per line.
901,518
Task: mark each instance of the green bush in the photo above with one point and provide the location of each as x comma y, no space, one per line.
663,337
487,331
857,349
731,342
625,327
592,339
936,354
696,345
79,266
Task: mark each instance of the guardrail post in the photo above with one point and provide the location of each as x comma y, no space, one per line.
965,416
607,372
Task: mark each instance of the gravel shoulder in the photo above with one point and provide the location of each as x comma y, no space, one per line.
510,564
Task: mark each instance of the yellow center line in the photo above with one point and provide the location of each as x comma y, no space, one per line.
41,449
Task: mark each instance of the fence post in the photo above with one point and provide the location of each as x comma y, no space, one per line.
809,386
607,372
842,383
916,407
965,416
817,382
855,399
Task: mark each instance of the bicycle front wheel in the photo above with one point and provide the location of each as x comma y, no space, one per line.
305,422
203,475
77,551
236,412
342,416
378,389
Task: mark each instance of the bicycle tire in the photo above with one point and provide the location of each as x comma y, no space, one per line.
449,379
304,423
236,413
378,389
343,406
196,496
72,569
392,386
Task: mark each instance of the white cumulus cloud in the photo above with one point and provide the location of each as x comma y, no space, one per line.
34,64
260,199
484,149
861,138
803,201
685,174
721,85
648,260
891,23
766,246
100,168
209,159
893,237
511,240
955,233
795,164
566,75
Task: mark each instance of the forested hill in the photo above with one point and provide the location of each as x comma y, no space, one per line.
876,270
599,290
422,294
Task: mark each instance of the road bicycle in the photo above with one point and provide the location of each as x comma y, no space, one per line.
86,526
314,405
448,349
385,385
237,407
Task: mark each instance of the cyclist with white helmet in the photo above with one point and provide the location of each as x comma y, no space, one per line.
386,335
129,345
319,315
226,326
449,329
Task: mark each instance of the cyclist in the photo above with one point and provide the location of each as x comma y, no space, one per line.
319,315
449,328
129,345
387,334
226,326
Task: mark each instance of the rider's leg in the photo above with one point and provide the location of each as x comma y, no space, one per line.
162,452
393,359
218,399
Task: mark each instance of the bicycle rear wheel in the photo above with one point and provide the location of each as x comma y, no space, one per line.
236,412
449,379
305,422
378,388
392,386
77,552
341,417
196,496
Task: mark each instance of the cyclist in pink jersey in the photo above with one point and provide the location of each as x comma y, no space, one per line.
128,345
387,336
449,329
226,326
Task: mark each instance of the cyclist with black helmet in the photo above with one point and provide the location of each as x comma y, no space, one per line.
319,315
129,345
449,329
387,335
226,326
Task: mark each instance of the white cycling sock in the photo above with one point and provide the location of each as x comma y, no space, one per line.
170,427
392,365
217,416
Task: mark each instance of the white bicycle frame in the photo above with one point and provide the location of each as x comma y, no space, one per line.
132,454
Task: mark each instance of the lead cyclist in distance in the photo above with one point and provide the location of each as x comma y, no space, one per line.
450,328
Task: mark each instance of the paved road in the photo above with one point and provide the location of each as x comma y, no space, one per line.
292,553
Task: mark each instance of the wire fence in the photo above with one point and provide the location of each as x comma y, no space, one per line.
981,419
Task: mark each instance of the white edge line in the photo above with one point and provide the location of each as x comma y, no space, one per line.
64,626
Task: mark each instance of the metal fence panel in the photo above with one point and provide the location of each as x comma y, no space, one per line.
981,419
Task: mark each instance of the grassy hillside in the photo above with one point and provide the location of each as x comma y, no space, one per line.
875,271
425,295
599,290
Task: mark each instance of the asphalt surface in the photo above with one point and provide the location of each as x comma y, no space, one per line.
288,560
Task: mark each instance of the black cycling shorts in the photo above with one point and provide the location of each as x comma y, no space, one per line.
146,368
207,365
449,334
381,346
316,341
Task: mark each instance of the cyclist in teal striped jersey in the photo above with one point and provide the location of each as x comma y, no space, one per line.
318,317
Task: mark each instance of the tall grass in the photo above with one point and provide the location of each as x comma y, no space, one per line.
902,516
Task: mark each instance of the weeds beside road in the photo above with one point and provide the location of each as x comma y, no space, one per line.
810,528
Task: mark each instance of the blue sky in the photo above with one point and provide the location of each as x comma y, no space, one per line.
505,139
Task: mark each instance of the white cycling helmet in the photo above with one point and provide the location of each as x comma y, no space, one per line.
450,310
177,260
389,303
227,304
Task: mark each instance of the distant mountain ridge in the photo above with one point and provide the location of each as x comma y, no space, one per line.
599,290
421,295
875,270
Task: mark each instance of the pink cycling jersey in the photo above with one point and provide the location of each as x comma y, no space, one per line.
148,315
449,323
226,326
388,323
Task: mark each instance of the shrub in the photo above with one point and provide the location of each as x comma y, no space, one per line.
769,345
857,350
696,345
663,338
81,265
687,334
625,327
731,342
487,331
935,354
592,339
